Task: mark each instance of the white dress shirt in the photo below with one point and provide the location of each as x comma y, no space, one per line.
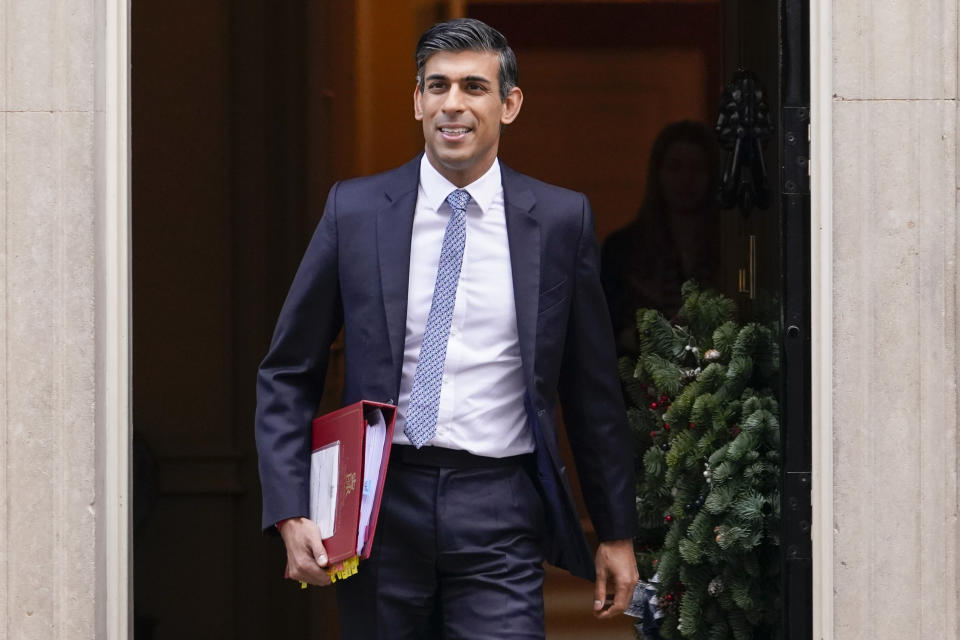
481,397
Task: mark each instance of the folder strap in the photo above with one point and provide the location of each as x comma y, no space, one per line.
452,458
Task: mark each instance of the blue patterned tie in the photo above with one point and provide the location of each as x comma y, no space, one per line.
425,394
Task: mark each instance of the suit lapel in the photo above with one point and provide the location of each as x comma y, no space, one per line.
394,230
523,232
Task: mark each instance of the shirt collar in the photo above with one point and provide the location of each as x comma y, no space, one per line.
483,190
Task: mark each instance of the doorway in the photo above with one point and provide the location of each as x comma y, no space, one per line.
244,114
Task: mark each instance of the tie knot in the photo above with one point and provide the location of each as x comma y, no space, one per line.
458,200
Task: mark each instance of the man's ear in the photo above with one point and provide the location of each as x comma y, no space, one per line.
511,106
417,103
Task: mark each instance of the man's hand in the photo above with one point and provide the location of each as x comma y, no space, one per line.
616,578
306,556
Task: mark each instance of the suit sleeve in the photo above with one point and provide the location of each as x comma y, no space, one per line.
593,408
290,379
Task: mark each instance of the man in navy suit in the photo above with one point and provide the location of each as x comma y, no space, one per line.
469,295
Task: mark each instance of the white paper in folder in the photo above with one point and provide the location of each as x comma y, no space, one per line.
324,471
372,457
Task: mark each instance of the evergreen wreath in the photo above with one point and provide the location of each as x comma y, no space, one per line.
705,417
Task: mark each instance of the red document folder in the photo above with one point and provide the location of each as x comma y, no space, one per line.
346,429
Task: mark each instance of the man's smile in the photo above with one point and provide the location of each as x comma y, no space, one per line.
453,134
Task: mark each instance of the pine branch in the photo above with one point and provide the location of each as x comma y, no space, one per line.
666,375
635,392
690,609
750,507
654,463
719,500
723,339
719,631
655,334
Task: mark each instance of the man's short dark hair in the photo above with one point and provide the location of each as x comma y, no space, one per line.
468,34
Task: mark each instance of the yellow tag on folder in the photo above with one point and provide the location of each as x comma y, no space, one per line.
345,569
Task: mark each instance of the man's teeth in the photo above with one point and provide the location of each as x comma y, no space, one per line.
454,131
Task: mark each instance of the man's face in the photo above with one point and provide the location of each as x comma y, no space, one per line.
461,112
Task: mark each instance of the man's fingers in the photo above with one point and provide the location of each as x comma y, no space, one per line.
622,589
319,554
306,555
621,598
600,590
610,608
308,569
617,566
318,579
305,569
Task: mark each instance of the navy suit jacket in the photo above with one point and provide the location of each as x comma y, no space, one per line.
354,275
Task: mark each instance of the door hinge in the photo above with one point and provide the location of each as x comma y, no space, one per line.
795,166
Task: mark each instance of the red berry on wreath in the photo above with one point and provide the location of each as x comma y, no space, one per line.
666,427
664,398
668,518
653,405
653,434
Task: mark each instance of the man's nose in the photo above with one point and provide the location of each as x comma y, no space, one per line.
454,100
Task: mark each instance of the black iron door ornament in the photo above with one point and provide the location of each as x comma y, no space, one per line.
743,128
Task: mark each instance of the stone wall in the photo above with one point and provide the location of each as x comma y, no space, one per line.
47,341
895,338
895,356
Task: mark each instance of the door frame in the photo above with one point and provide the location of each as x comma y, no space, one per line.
807,242
821,312
114,593
114,526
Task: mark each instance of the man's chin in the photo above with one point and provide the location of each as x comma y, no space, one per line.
457,161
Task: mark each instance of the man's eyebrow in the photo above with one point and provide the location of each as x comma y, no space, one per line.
440,76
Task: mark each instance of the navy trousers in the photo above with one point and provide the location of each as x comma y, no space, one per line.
457,555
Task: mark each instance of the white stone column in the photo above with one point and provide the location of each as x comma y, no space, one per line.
51,210
894,327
